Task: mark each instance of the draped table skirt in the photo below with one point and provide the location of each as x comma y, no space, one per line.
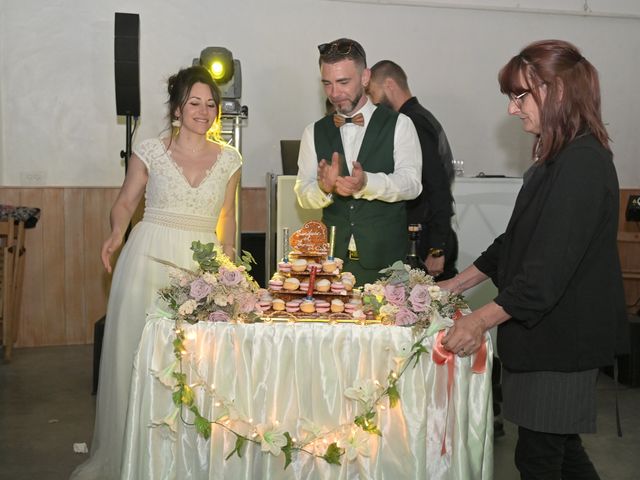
297,374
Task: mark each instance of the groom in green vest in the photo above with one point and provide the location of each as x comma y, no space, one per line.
359,165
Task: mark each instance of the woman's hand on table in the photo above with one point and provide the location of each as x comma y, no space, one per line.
466,335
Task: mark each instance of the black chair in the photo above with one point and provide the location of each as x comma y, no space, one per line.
289,150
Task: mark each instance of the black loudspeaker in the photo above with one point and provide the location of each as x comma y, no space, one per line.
126,56
254,242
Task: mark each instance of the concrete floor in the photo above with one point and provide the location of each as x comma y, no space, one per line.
46,406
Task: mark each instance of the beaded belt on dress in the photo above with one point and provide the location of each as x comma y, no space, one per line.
180,221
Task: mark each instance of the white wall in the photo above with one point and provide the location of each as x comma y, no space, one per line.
58,124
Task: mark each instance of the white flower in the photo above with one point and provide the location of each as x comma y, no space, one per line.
170,420
310,429
355,443
403,353
359,315
231,412
187,307
221,299
362,391
165,376
388,309
210,278
435,292
272,438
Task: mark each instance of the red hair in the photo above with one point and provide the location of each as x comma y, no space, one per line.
572,103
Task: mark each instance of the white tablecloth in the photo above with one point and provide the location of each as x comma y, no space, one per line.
289,372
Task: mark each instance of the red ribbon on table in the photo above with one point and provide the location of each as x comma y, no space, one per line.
442,356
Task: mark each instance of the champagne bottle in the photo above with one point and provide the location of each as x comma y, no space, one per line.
412,259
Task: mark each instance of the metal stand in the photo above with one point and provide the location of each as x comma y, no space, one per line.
232,124
126,155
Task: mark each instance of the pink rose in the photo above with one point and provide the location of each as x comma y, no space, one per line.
404,316
395,293
199,289
247,303
420,298
219,316
230,277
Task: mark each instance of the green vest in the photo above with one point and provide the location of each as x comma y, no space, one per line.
379,228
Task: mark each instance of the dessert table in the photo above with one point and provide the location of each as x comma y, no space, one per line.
295,375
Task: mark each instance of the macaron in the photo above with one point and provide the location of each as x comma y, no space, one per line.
284,267
278,304
292,307
308,306
339,263
348,275
291,284
337,287
304,285
275,284
322,306
264,305
317,266
329,266
299,265
337,305
348,284
323,285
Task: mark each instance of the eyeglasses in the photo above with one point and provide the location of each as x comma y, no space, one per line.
340,48
518,99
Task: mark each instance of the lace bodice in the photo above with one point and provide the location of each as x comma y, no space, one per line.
169,190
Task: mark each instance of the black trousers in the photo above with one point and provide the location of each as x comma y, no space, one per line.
550,456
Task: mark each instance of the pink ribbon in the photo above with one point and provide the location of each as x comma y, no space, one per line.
442,356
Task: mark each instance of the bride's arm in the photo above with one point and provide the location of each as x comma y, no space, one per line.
226,230
124,208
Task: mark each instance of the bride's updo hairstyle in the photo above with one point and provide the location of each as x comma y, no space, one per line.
179,86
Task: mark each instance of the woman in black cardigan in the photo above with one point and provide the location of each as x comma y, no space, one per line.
560,306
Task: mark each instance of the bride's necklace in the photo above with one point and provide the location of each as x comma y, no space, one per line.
193,150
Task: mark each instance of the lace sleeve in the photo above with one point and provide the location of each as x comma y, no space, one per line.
148,149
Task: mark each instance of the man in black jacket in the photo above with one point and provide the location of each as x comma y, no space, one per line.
438,245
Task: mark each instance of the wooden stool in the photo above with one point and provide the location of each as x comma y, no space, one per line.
12,272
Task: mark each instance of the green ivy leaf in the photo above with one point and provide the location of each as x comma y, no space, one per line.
203,426
419,350
177,397
333,454
240,441
287,449
180,377
394,394
187,395
247,260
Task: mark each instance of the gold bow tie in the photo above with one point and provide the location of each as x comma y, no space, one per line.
339,120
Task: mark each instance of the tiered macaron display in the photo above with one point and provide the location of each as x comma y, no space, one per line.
310,281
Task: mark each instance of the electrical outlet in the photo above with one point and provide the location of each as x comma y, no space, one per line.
32,179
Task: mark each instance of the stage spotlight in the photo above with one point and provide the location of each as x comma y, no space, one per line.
219,61
224,70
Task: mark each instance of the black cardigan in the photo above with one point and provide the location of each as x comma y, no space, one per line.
557,268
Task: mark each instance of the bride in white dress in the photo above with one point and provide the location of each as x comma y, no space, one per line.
189,183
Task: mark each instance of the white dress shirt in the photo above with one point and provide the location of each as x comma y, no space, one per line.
404,183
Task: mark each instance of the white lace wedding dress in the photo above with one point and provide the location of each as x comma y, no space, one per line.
176,214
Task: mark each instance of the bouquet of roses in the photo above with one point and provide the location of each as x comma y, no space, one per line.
218,291
408,297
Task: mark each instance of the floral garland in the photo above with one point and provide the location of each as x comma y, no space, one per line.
220,290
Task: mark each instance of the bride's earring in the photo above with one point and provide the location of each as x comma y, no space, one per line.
176,123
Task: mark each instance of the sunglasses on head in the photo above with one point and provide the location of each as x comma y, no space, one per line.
340,48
